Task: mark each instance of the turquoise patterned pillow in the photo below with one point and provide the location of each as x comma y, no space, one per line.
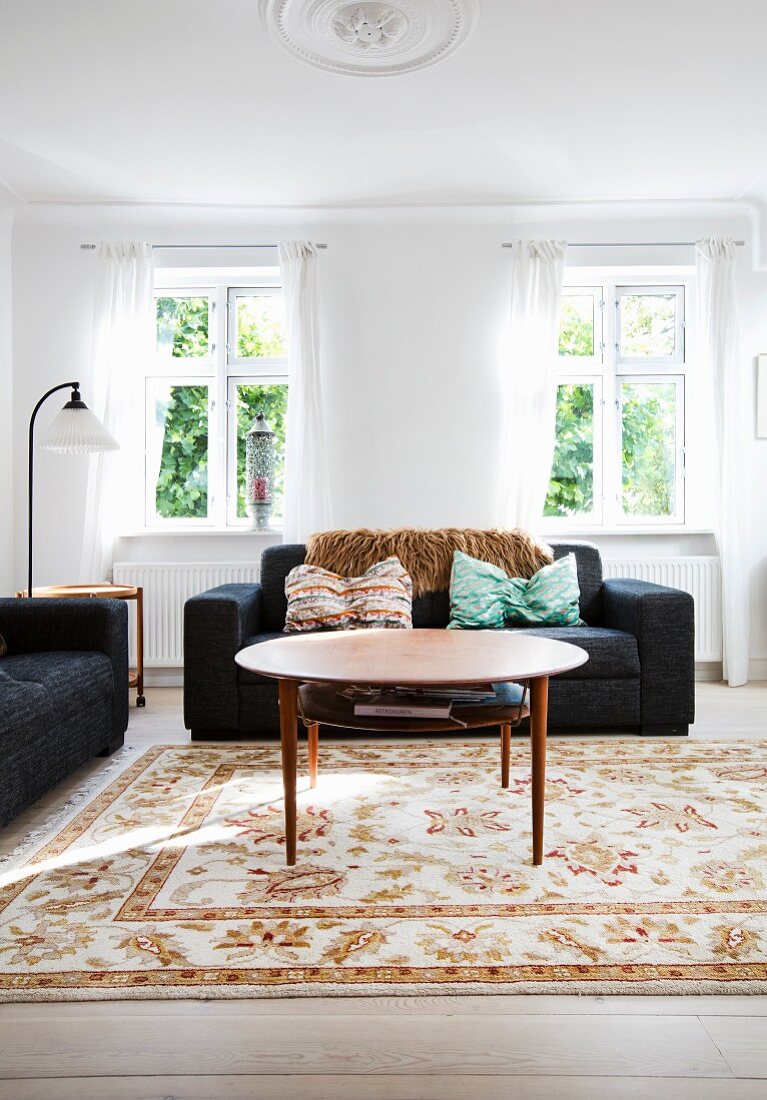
483,597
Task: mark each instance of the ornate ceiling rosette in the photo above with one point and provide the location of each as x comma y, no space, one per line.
369,38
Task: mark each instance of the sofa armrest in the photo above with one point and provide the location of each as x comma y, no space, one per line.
96,625
662,621
216,624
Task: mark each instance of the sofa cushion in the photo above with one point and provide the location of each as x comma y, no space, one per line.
432,610
276,563
38,689
613,654
589,562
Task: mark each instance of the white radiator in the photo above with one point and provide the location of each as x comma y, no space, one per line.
700,576
167,586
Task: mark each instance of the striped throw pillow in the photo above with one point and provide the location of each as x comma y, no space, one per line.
319,600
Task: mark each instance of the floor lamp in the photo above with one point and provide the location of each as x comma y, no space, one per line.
75,430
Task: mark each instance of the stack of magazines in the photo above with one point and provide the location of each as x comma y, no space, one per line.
432,702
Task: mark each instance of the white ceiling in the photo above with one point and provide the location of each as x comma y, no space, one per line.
192,101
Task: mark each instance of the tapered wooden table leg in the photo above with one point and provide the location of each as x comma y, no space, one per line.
505,755
539,708
140,647
314,752
289,744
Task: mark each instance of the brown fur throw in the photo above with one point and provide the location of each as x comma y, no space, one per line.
427,555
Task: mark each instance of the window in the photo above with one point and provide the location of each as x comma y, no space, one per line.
220,359
619,456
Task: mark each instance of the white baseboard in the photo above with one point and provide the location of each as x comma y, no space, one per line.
163,677
757,668
708,672
711,671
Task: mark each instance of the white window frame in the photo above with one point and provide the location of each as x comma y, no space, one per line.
611,369
593,518
151,519
238,365
258,370
219,368
584,363
233,381
677,516
167,365
646,362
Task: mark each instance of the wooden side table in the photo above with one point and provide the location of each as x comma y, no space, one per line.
113,592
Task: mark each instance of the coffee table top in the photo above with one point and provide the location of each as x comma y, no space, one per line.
411,657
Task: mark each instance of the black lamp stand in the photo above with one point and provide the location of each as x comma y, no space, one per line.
75,387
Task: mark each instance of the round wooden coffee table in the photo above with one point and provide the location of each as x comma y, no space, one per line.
407,658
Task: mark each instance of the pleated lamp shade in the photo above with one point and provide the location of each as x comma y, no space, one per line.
76,430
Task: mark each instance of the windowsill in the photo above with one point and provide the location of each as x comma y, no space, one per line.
198,532
554,533
630,532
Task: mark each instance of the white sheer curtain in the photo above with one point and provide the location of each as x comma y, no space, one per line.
121,346
530,385
307,483
732,493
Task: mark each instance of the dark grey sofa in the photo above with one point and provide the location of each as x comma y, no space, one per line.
63,691
640,639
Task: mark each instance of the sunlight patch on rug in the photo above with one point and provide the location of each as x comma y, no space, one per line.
414,875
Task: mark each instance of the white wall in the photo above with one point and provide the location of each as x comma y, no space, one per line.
753,301
413,309
6,391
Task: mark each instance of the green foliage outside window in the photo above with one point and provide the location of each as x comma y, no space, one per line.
648,448
571,489
260,327
182,326
182,483
272,401
648,325
576,325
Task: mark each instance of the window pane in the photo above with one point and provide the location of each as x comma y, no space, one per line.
178,449
260,326
648,426
272,401
647,325
576,325
571,490
182,327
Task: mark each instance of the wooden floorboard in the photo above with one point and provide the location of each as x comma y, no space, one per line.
360,1087
432,1005
617,1046
742,1042
397,1048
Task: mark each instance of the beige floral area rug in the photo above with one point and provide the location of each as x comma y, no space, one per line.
414,876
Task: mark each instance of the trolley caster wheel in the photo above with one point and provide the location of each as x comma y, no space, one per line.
140,701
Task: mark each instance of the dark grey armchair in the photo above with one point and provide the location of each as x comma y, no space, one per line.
63,691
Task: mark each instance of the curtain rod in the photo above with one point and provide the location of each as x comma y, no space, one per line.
154,246
628,244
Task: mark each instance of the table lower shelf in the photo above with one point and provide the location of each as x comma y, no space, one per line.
323,704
